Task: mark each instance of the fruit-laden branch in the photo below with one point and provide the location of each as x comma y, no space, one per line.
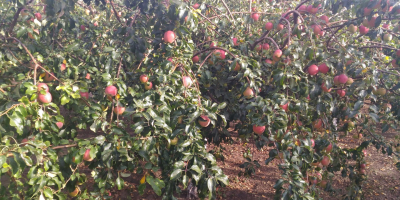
289,32
261,39
384,47
234,13
115,12
214,48
211,23
202,63
14,22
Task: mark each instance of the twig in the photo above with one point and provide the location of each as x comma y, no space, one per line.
229,11
64,146
119,67
214,48
115,12
205,60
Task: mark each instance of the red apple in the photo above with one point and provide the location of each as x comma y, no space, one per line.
325,18
213,44
204,121
324,88
255,16
367,11
317,124
63,67
277,53
237,67
371,23
169,37
364,152
336,80
111,90
325,161
341,93
42,86
187,81
385,26
285,106
86,156
279,27
323,68
248,92
48,77
143,78
38,16
59,124
312,142
196,6
259,47
342,78
269,26
398,53
45,98
387,37
169,59
235,42
24,141
84,94
312,70
362,171
220,54
87,76
148,86
83,28
265,46
95,24
258,129
303,9
362,166
363,30
328,149
119,110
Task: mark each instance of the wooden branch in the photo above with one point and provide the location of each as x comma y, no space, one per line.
214,48
119,67
301,3
205,60
14,22
384,47
229,11
64,146
115,12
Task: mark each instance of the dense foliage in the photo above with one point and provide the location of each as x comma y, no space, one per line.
156,81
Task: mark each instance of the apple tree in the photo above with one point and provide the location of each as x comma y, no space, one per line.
155,81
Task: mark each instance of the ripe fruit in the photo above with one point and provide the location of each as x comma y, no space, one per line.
38,16
363,30
317,124
394,64
265,46
387,37
59,124
237,67
323,183
362,166
387,106
174,141
204,121
312,142
302,9
195,6
268,61
385,26
143,78
323,68
169,59
148,86
24,141
341,93
255,16
324,88
349,81
75,192
381,91
269,26
220,54
328,149
95,24
398,53
248,92
311,9
312,70
169,37
342,78
364,152
87,76
317,30
325,161
42,86
371,23
277,53
87,11
258,129
83,28
63,67
235,41
325,18
213,44
45,98
195,59
259,47
48,77
285,106
187,81
86,156
119,110
336,80
111,90
352,28
84,94
279,27
362,171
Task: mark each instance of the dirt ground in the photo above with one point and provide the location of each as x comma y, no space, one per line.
383,179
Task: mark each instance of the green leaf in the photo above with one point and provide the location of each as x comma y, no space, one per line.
120,183
278,184
176,174
223,178
48,193
374,116
222,105
156,184
17,121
